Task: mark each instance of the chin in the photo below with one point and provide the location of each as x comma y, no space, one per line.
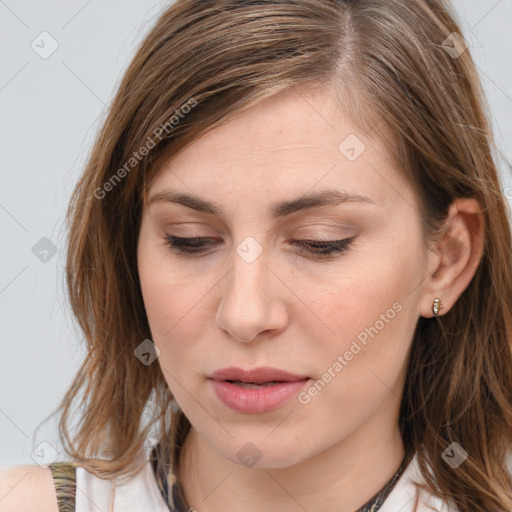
254,451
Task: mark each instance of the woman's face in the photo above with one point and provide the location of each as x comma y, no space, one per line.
257,296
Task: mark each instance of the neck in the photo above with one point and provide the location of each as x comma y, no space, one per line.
342,478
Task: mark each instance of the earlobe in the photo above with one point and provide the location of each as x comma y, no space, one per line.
458,252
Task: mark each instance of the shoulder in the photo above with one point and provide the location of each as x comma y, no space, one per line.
29,487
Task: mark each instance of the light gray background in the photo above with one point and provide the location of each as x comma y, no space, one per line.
51,110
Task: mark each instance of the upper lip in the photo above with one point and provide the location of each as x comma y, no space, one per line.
256,375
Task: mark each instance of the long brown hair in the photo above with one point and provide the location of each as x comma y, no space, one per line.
201,64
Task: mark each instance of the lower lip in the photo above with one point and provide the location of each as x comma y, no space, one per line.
259,400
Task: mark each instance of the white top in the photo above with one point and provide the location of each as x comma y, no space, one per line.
141,493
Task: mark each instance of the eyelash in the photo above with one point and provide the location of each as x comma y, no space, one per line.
328,248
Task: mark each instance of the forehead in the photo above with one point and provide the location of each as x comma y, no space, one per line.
289,144
292,123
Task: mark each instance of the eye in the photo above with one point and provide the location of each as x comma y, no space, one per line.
316,248
324,248
187,245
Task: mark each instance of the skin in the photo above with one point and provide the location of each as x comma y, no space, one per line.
290,310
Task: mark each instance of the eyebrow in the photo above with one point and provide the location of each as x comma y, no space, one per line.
277,210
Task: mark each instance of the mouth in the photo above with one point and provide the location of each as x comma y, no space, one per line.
253,385
257,376
258,390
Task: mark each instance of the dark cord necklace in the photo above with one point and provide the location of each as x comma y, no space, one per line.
173,495
378,500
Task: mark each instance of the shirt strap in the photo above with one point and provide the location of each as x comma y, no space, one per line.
64,479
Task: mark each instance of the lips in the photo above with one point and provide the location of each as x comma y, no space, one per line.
256,391
261,375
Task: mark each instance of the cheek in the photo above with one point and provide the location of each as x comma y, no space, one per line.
157,292
165,292
172,307
362,364
368,311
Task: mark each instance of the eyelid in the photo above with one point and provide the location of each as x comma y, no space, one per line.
322,235
315,232
334,229
326,249
328,233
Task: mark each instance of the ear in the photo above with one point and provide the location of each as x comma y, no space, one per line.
456,257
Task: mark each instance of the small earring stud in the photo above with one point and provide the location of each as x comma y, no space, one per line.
437,305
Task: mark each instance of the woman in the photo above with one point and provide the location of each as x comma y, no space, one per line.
291,260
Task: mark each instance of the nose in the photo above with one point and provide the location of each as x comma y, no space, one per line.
253,300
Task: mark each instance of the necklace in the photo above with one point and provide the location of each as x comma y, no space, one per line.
378,500
173,496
